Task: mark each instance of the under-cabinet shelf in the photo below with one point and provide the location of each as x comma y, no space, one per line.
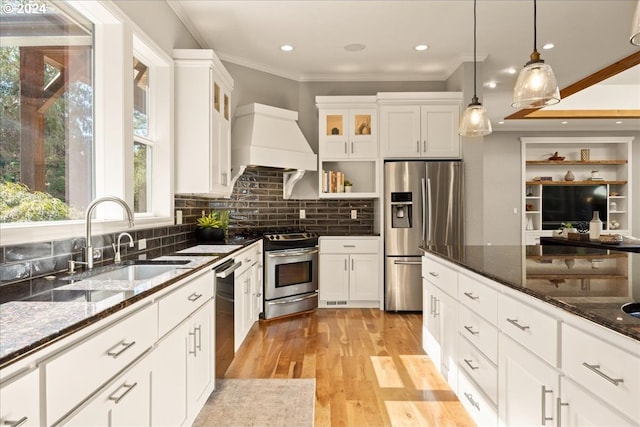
594,182
577,256
576,162
575,276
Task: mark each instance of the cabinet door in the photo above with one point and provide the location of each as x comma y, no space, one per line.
256,293
400,131
439,131
362,133
527,387
334,277
447,314
199,356
220,141
239,308
363,277
578,408
20,401
431,325
169,379
334,133
248,300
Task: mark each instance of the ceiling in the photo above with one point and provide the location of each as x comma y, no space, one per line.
588,35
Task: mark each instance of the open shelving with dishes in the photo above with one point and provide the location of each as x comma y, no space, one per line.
565,179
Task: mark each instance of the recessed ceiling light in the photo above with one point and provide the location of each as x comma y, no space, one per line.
354,47
286,48
619,122
510,70
421,47
564,122
501,122
548,46
491,85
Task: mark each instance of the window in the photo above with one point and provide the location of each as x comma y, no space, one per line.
69,66
142,142
46,92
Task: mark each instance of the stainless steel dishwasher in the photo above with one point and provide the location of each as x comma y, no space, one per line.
224,315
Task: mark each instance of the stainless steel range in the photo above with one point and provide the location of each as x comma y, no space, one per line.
291,273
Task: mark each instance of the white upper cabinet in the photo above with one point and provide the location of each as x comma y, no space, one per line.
203,123
420,125
348,133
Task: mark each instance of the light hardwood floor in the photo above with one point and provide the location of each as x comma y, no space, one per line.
369,367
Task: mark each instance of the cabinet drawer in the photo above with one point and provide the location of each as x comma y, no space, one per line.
483,412
179,304
77,373
533,329
248,257
440,275
479,332
20,401
478,368
348,246
478,297
610,372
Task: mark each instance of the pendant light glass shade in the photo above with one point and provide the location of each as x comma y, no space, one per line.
536,86
475,121
635,27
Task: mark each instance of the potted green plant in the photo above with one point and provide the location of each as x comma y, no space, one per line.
347,186
212,227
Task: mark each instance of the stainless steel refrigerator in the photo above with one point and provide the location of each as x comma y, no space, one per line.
422,206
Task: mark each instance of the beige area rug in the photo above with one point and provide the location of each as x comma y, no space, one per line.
260,403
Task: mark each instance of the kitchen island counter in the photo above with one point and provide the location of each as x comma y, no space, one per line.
589,282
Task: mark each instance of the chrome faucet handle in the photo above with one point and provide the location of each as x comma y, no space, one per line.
72,265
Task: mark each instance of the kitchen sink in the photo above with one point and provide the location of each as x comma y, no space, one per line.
632,309
134,272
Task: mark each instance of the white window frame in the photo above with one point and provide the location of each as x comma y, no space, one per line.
115,38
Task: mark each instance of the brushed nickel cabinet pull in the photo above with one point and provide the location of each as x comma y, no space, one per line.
544,418
515,323
470,295
596,369
559,406
194,297
471,331
125,346
468,362
18,423
469,397
127,387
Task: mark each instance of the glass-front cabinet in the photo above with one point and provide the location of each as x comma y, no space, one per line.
348,146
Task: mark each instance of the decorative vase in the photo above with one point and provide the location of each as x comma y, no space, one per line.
347,189
569,176
209,234
595,226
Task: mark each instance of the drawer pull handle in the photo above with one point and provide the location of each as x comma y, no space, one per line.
515,323
470,295
468,362
127,387
194,297
434,274
469,397
348,246
199,342
18,423
596,369
471,331
195,346
125,346
544,418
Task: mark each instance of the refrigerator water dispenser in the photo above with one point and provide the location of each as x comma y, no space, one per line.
401,210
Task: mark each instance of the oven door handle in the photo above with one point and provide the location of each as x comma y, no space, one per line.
313,295
276,254
227,271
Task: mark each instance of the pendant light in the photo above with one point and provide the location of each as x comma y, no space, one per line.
635,27
536,86
475,121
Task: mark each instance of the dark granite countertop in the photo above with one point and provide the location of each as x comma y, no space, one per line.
589,282
30,326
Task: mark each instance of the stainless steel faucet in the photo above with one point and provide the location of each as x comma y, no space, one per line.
89,253
116,247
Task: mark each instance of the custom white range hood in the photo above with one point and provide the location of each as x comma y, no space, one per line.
262,135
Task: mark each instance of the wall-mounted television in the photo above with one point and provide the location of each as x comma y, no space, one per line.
572,203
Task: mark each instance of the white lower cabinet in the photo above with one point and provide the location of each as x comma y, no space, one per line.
579,408
481,409
183,370
528,387
125,401
349,272
20,401
248,292
440,324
